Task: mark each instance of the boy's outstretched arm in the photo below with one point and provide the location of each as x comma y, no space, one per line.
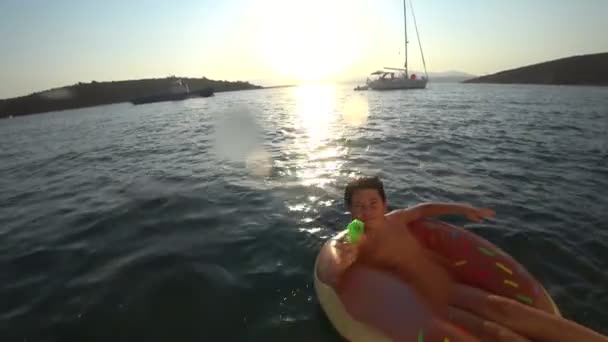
432,209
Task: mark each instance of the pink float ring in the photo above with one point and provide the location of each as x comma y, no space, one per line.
373,305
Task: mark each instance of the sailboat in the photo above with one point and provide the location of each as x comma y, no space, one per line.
399,78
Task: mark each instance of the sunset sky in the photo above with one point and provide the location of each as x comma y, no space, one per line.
48,44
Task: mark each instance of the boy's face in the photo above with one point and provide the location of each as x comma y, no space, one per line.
367,205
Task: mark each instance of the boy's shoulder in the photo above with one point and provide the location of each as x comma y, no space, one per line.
397,213
403,216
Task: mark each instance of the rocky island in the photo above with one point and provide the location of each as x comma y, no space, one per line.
101,93
576,70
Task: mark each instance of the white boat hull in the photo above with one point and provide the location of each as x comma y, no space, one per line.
397,83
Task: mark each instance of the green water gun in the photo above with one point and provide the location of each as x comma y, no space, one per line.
355,230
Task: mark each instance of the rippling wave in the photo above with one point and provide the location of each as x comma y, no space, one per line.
200,220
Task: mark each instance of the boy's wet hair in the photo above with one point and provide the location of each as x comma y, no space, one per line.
360,184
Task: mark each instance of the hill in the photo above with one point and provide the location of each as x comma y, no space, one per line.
100,93
576,70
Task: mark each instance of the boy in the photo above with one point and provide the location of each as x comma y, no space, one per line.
388,244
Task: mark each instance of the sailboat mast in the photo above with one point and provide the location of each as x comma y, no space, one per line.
405,33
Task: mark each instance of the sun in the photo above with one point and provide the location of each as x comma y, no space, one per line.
307,40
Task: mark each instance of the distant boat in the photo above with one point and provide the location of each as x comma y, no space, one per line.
179,92
397,78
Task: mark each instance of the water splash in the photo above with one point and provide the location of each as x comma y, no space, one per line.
259,162
355,111
238,138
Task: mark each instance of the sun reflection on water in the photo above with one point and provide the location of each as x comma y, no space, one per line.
315,111
321,117
316,121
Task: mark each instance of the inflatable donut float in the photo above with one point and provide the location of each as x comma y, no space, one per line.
373,305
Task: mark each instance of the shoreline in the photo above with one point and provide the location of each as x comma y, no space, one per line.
93,94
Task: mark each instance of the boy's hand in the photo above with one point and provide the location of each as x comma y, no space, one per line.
480,214
347,253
